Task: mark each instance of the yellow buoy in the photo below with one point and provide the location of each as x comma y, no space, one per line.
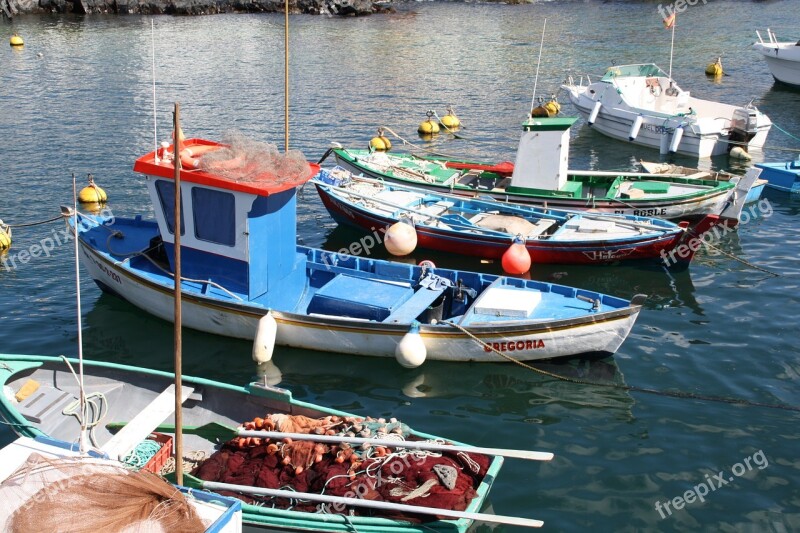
92,194
715,68
380,142
450,121
737,152
429,126
16,40
550,109
5,237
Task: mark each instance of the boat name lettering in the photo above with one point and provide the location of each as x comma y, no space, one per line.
652,212
661,130
514,346
110,274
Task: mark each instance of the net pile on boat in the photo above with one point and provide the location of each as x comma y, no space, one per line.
414,477
88,496
246,160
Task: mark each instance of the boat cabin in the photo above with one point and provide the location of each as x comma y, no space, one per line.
543,156
237,226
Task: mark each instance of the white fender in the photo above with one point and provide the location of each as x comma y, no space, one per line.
264,342
676,139
595,111
411,350
635,127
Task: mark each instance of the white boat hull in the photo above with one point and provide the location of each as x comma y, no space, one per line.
523,340
783,62
655,134
642,104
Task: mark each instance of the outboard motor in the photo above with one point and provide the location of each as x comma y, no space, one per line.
744,126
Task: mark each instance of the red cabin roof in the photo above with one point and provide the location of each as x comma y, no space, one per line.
243,178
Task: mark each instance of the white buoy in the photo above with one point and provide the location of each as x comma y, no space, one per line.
411,351
738,152
676,140
401,238
635,127
594,113
264,342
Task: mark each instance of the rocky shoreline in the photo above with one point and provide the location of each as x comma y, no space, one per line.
13,8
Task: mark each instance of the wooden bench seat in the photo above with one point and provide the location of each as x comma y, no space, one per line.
145,422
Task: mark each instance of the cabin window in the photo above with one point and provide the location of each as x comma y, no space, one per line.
166,195
214,216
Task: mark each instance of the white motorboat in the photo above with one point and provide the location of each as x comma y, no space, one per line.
643,104
783,59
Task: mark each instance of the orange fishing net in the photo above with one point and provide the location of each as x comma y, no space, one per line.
245,160
91,496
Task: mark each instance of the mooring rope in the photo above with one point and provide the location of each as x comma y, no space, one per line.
786,132
743,261
39,223
629,388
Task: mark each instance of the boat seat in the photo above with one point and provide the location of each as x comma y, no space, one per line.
541,227
435,209
499,301
43,403
586,225
626,190
414,306
702,175
145,422
356,297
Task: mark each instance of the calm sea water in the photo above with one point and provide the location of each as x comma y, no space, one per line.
79,98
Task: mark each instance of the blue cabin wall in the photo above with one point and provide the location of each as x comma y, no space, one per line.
276,270
255,257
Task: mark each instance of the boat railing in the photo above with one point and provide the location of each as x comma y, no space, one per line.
770,36
570,81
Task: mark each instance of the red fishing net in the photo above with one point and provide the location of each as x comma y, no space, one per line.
433,479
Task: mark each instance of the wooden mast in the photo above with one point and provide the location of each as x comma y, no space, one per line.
286,76
177,228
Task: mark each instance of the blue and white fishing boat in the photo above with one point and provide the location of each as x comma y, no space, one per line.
486,228
241,262
782,176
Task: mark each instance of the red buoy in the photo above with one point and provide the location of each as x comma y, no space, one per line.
516,260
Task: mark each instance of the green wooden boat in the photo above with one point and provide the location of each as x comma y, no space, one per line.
118,393
539,176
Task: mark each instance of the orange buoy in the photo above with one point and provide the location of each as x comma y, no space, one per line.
190,156
516,260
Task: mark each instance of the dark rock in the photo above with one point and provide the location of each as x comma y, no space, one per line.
10,8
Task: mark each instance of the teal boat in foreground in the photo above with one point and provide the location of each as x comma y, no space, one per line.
143,399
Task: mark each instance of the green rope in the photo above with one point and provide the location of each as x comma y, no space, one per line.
141,454
786,132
